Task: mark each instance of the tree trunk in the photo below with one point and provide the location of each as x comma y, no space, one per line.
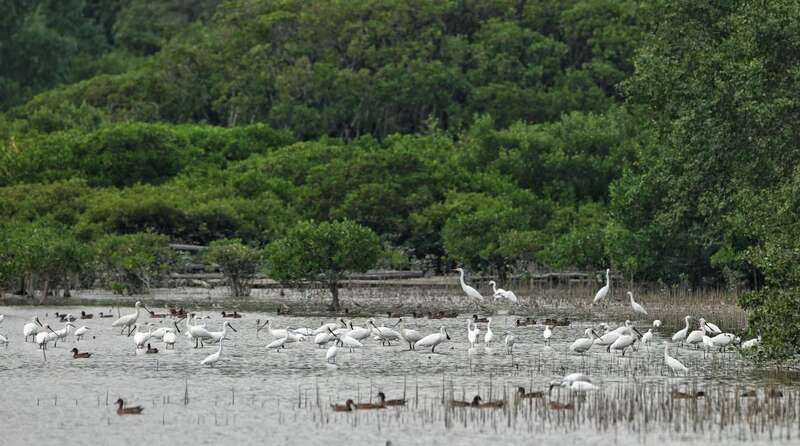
335,294
45,290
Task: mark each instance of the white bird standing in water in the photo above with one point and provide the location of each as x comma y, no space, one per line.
489,336
81,332
509,341
129,320
603,292
408,336
432,340
680,335
647,337
170,337
32,328
582,345
548,332
500,293
468,290
330,355
472,335
675,365
637,308
214,357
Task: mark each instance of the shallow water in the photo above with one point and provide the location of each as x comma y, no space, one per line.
254,395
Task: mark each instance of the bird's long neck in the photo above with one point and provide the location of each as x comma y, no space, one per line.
687,324
463,284
494,288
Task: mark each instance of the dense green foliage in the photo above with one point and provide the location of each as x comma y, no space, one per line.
656,138
133,262
324,253
238,262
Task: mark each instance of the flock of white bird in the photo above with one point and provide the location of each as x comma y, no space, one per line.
345,335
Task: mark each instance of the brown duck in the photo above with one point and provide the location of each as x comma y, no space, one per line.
521,394
348,406
130,410
78,355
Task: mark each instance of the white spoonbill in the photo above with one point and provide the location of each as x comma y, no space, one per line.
43,337
170,337
625,340
408,336
603,292
214,357
509,341
488,338
129,320
197,332
500,293
81,332
359,333
347,341
547,334
324,328
582,345
63,332
385,334
277,344
32,328
674,365
570,380
723,340
330,355
695,337
680,335
657,323
712,328
323,338
217,336
472,335
140,337
637,308
432,340
468,290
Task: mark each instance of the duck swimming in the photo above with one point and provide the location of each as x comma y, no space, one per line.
78,355
130,410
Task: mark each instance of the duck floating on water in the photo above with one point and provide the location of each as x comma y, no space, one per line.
130,410
348,406
78,355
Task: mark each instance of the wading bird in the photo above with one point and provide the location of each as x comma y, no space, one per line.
472,335
408,336
129,320
547,334
468,290
81,332
680,335
509,341
214,357
674,365
603,292
488,338
637,308
32,328
500,293
432,340
582,345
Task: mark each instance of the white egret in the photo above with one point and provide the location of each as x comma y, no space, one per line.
81,332
468,290
500,293
674,365
32,328
547,334
214,357
603,292
129,320
647,337
509,341
680,335
637,308
432,340
488,338
582,345
472,335
409,336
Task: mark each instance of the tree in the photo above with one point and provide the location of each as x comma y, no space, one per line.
133,261
239,263
324,253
